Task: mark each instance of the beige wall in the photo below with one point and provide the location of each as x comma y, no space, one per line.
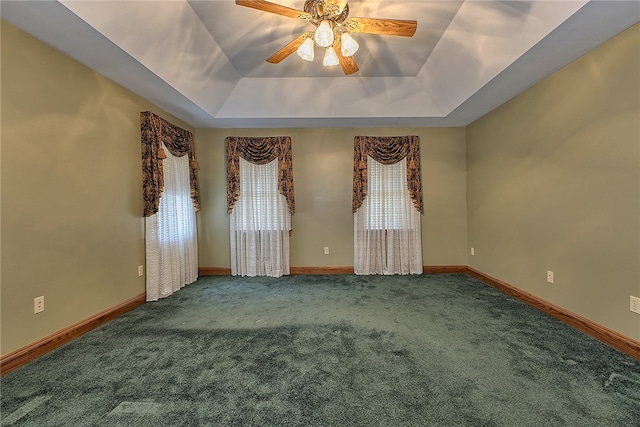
553,181
323,181
71,191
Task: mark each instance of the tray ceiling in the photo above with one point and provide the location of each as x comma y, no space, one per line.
204,61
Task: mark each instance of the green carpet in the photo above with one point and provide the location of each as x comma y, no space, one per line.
432,350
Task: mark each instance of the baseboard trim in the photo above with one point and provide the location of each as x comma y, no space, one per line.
294,271
443,269
30,352
427,269
612,338
214,271
320,270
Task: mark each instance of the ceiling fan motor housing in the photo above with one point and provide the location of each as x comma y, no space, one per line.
320,11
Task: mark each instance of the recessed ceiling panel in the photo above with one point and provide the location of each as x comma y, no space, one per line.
204,60
248,36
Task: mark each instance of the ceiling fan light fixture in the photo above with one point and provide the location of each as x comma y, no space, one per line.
324,34
331,19
349,45
330,57
306,49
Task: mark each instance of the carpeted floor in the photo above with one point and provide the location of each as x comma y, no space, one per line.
432,350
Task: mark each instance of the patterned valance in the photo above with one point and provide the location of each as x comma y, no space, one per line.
260,151
156,131
386,150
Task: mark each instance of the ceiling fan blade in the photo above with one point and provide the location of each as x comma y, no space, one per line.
388,27
266,6
288,49
347,63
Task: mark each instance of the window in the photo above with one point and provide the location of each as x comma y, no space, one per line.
170,195
387,204
388,196
260,204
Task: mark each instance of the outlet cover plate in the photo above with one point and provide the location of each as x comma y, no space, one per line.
38,304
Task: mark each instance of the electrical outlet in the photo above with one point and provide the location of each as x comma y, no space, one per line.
473,251
140,270
635,304
38,304
549,276
326,250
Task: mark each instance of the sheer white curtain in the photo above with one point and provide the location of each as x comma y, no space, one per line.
259,223
387,236
171,242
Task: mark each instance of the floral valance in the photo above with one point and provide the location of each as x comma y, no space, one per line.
156,131
386,150
260,151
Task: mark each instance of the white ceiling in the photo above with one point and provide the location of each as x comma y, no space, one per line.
204,60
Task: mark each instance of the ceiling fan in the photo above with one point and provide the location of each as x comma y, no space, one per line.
333,32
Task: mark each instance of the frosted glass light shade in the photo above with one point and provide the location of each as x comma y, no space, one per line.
330,57
305,51
349,45
324,34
